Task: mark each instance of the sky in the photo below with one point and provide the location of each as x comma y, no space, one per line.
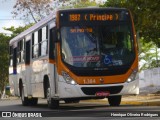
6,19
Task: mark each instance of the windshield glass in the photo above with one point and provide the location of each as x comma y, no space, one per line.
97,46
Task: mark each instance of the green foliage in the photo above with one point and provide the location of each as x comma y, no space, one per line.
78,4
85,3
16,31
4,60
148,54
4,53
146,16
8,92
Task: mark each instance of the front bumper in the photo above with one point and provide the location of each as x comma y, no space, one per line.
78,91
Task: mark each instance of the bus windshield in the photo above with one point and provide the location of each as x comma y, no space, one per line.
97,45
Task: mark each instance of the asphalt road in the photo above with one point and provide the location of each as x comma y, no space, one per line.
83,110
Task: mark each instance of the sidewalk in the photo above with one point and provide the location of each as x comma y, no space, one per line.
148,96
143,99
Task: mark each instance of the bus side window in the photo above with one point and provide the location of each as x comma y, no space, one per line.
14,60
11,56
27,55
39,42
35,45
20,51
52,34
44,41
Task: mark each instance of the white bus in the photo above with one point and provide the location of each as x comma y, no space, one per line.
76,54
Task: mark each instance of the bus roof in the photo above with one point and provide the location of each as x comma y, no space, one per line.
95,8
52,16
31,29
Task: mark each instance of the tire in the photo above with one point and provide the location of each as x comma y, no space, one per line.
71,101
25,100
46,86
33,101
52,103
114,100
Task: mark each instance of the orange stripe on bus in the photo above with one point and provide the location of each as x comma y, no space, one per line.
52,61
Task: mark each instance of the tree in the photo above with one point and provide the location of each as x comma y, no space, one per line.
16,31
4,60
36,9
146,16
4,55
77,4
147,57
85,3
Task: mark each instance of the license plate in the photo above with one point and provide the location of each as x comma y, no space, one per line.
102,93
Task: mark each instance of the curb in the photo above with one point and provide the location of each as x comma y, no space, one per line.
143,99
139,100
10,98
145,103
138,103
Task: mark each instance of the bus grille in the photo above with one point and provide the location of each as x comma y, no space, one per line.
93,90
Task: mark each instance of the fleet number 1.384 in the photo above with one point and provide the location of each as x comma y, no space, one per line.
89,81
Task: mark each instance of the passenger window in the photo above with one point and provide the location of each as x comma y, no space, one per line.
40,42
11,55
52,40
44,43
35,45
20,51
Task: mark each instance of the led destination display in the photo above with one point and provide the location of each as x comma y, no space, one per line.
93,17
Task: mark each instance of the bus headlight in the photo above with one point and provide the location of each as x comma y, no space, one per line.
68,79
133,76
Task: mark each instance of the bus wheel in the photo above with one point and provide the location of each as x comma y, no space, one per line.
25,100
33,101
52,103
114,100
71,101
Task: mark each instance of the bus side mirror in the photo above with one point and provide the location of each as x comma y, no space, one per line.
56,35
53,39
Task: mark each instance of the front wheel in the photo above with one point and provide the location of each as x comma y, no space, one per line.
71,101
52,103
114,100
33,101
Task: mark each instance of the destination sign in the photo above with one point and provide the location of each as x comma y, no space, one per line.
89,16
81,30
93,17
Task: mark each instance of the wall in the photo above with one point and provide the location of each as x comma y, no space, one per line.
149,80
150,77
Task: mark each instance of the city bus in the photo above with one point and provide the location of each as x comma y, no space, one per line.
76,54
